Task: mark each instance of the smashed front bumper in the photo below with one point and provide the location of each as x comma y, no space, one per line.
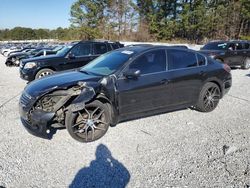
38,122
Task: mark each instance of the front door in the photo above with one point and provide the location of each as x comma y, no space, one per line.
150,90
78,56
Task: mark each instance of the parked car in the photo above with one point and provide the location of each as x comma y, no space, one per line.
124,84
15,58
23,50
48,51
6,51
71,57
233,53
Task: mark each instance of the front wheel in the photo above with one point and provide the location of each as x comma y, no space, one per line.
43,72
209,97
90,124
246,64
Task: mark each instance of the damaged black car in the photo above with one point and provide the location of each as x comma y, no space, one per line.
122,85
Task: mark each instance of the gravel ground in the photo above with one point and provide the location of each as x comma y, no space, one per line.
184,148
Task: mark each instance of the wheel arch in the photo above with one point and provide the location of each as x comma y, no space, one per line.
113,113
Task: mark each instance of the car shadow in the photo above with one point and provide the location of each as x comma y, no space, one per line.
104,171
248,75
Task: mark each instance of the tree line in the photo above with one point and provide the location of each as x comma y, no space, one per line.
149,20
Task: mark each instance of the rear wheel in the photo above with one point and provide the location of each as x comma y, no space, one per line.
90,124
209,97
44,72
246,64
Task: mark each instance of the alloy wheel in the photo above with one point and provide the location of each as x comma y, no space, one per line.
211,98
43,74
90,124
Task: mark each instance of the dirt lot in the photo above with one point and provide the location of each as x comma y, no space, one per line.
184,148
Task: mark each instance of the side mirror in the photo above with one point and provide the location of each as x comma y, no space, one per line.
132,73
71,56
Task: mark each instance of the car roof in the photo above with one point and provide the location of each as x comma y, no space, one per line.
227,41
142,48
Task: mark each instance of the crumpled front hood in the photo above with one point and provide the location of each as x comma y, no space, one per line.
61,80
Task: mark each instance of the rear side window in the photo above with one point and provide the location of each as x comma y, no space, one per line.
246,45
238,46
178,59
82,50
115,46
150,62
100,48
201,60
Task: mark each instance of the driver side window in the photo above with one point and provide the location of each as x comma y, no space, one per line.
150,62
81,50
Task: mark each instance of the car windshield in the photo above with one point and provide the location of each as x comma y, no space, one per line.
215,46
64,50
57,48
108,63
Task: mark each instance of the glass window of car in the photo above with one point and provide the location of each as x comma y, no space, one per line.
201,60
114,46
100,48
150,62
231,46
246,45
238,46
179,59
215,46
81,50
108,63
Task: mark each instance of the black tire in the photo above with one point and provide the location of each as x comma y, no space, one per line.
43,72
209,97
86,125
246,64
9,64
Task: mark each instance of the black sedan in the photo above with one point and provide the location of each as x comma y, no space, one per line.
233,53
125,84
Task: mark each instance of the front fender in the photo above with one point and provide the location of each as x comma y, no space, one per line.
85,96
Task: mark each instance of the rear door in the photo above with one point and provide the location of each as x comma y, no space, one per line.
246,50
234,54
99,49
79,55
186,76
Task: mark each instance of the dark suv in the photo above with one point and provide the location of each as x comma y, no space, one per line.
72,56
233,53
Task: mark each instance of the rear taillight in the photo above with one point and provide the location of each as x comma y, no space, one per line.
226,68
